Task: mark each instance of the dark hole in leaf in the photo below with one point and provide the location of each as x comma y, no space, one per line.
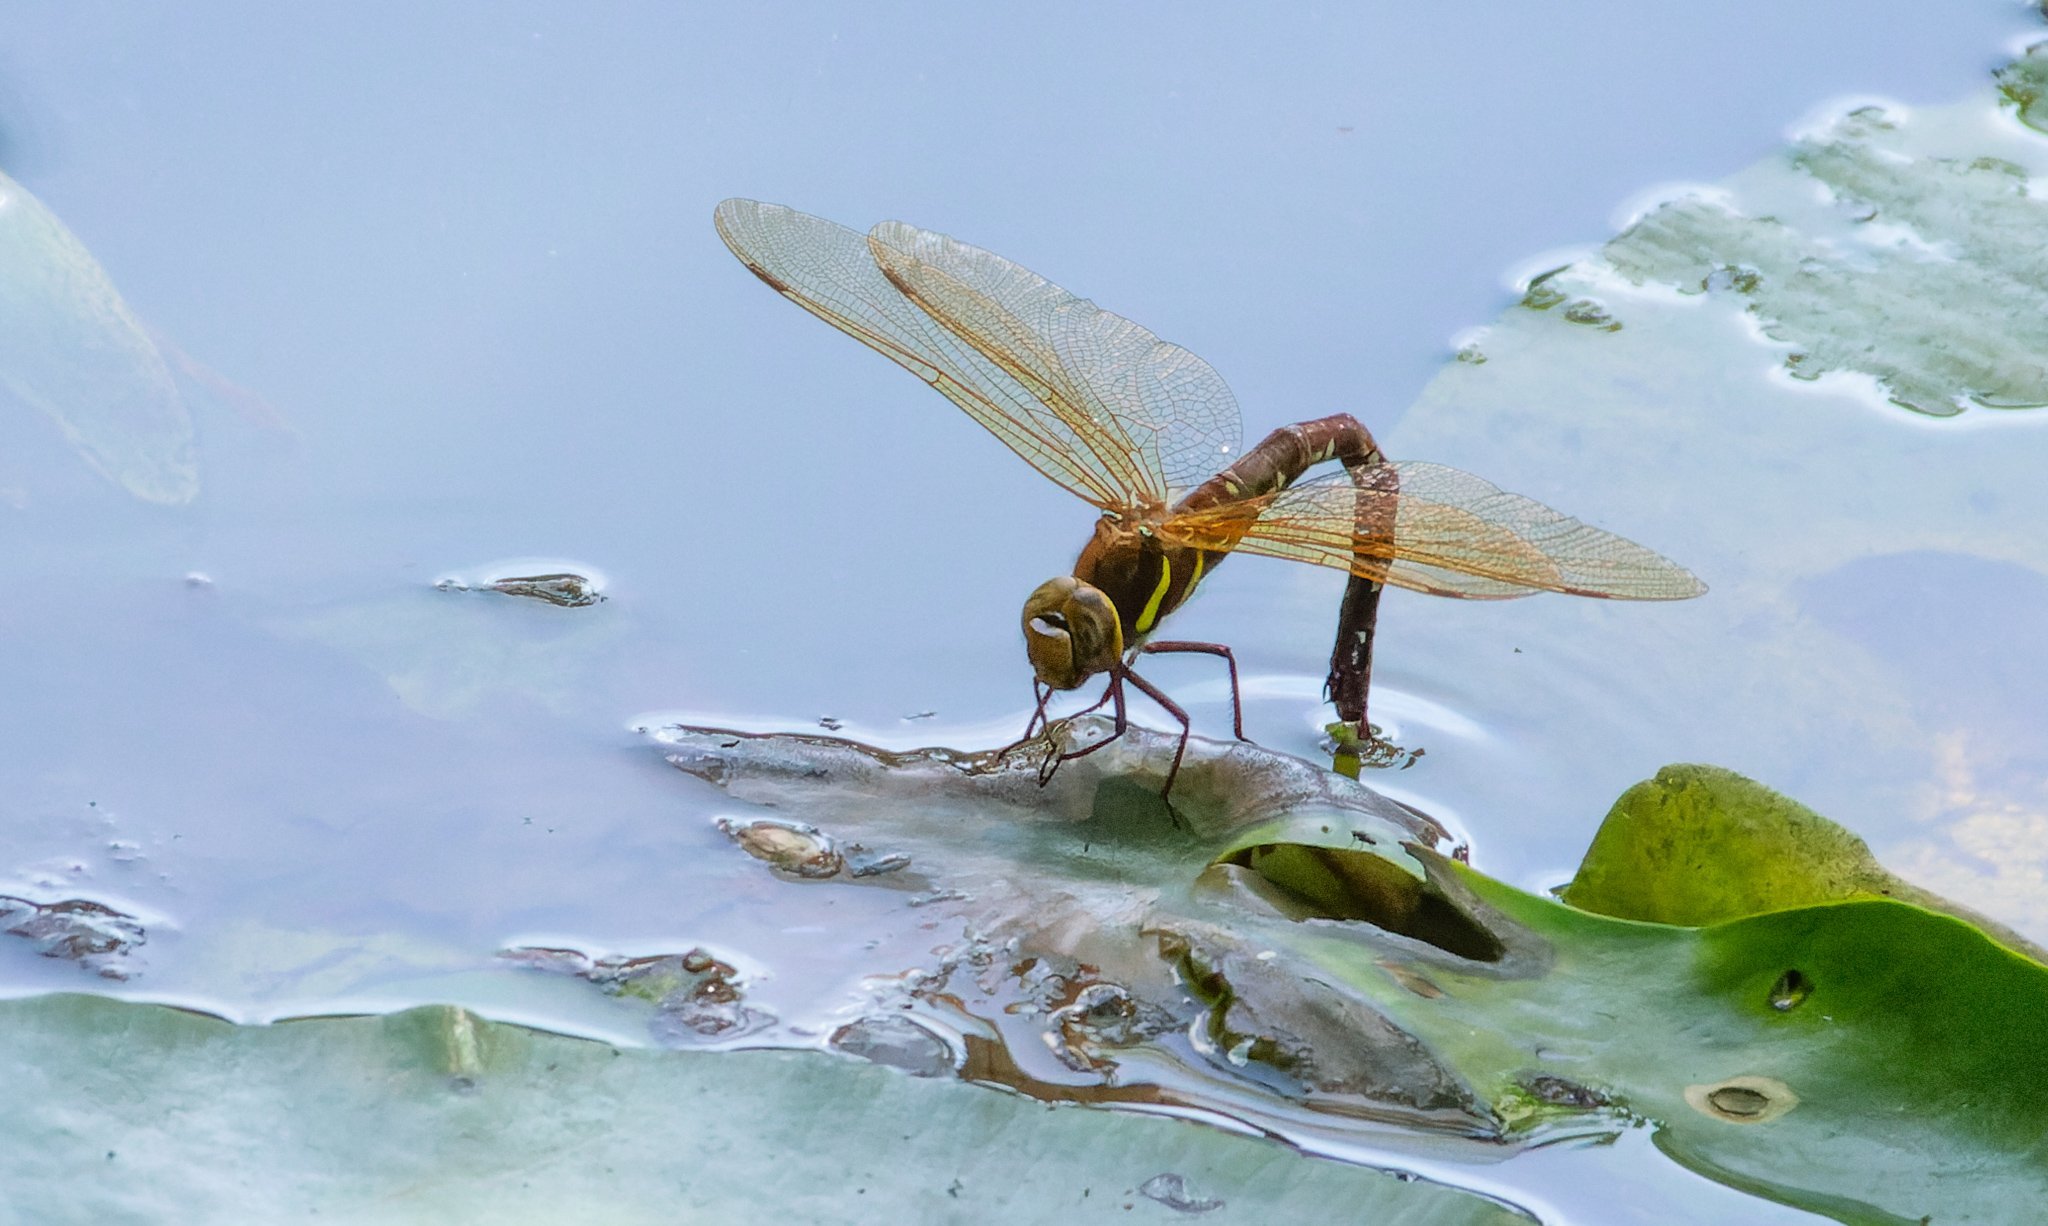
1339,884
1739,1101
1790,991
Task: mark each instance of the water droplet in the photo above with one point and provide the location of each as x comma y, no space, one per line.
1171,1190
1790,991
898,1042
1101,1015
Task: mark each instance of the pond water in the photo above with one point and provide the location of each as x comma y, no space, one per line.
445,301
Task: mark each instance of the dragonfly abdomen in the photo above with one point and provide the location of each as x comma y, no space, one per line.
1282,456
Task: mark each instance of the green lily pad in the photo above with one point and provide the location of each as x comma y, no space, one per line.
71,349
1869,1060
127,1112
1700,844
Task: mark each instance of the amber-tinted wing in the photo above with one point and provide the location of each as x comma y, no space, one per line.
829,271
1149,416
1438,530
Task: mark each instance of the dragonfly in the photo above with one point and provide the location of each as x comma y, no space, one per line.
1151,436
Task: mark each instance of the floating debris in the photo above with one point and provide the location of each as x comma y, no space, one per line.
862,862
937,896
795,848
97,937
1562,1092
555,584
1591,313
697,997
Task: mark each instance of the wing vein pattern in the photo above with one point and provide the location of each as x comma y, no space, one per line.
829,270
1453,534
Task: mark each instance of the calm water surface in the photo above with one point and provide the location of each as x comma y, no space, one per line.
462,263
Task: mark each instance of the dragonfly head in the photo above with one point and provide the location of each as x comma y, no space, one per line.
1071,632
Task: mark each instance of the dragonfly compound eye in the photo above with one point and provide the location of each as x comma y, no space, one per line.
1071,632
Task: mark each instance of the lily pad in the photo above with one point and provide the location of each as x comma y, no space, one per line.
1865,1058
71,349
127,1112
1700,844
1818,404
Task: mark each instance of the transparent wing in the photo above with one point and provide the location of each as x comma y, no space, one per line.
1438,530
1150,416
829,271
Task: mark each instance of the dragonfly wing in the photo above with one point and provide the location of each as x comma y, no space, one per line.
1439,530
829,271
1153,418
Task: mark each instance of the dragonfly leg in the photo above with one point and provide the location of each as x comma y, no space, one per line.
1108,692
1040,724
1229,660
1114,693
1172,708
1038,721
1036,724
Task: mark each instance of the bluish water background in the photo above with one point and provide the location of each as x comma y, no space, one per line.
465,254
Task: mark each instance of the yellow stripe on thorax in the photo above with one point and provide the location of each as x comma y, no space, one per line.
1151,613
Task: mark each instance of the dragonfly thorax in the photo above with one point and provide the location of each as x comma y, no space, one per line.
1071,632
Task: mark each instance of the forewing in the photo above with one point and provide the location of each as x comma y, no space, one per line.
1154,418
1439,530
829,271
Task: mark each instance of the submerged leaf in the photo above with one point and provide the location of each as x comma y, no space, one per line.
1887,258
128,1112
